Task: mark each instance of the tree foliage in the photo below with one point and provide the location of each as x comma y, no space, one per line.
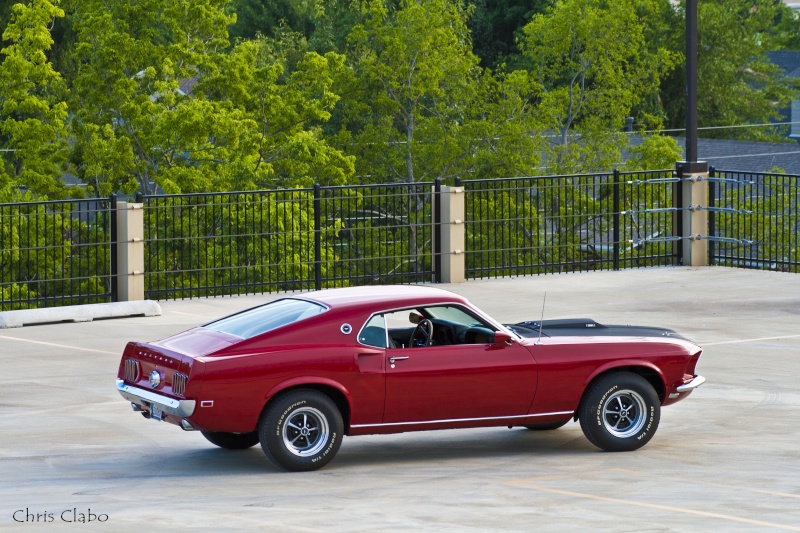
422,108
590,82
153,96
737,84
178,112
33,113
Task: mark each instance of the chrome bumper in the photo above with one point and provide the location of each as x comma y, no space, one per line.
171,406
696,382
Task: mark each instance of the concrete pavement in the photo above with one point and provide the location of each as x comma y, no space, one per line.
727,458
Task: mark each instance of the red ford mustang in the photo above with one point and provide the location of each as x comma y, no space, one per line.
299,373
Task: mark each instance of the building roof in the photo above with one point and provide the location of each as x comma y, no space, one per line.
748,156
788,60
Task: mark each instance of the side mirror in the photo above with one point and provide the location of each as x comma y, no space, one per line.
502,339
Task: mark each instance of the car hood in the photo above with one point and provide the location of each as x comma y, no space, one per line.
586,327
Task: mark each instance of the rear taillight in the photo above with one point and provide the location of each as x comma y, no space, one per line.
132,370
179,382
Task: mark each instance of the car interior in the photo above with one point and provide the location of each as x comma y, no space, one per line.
420,327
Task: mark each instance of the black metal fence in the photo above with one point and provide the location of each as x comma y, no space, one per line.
286,240
537,225
63,252
56,253
754,220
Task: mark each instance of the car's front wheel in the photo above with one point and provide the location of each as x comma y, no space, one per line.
301,430
620,412
231,441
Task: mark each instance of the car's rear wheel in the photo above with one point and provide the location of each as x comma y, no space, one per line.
231,441
301,430
548,426
620,412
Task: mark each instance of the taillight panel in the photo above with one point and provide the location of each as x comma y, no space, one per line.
133,371
179,380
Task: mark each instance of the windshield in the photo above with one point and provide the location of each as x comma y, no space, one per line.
266,317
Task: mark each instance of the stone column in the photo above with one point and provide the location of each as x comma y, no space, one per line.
694,197
453,259
130,251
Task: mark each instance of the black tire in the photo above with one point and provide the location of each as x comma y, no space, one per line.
301,430
620,412
548,426
231,441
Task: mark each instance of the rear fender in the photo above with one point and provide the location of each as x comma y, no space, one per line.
317,383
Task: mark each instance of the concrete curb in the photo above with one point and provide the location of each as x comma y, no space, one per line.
78,313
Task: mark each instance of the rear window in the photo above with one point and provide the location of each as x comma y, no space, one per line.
266,317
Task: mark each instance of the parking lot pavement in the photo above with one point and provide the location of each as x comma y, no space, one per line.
72,453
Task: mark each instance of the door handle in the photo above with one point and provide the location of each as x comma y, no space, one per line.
394,358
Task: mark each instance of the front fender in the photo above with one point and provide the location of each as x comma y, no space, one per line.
628,365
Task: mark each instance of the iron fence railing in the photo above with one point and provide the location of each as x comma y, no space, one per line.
537,225
754,220
56,253
286,240
377,234
64,252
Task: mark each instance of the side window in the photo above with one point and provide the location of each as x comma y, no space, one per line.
374,332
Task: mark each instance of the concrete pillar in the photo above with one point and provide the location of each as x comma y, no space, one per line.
695,219
453,258
130,251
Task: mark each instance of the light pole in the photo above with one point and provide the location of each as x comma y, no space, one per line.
691,165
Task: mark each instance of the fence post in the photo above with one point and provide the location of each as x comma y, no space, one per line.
113,239
130,251
616,219
712,229
451,223
437,230
317,237
677,215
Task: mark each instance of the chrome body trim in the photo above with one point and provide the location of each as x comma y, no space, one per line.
696,382
451,420
141,397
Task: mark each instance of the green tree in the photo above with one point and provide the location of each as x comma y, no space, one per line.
160,94
496,25
256,18
591,82
737,84
287,93
418,105
33,113
133,59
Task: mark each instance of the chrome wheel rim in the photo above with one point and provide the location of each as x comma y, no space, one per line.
305,432
624,413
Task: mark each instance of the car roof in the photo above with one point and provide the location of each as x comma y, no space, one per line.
382,296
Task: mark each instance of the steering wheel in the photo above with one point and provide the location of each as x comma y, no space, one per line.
423,333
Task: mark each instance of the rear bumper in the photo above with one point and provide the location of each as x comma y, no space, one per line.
144,398
696,382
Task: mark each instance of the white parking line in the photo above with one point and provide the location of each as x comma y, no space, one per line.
627,503
750,340
59,345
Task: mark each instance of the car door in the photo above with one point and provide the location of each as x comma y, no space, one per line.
459,381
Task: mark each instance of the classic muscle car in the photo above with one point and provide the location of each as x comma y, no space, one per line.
298,373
